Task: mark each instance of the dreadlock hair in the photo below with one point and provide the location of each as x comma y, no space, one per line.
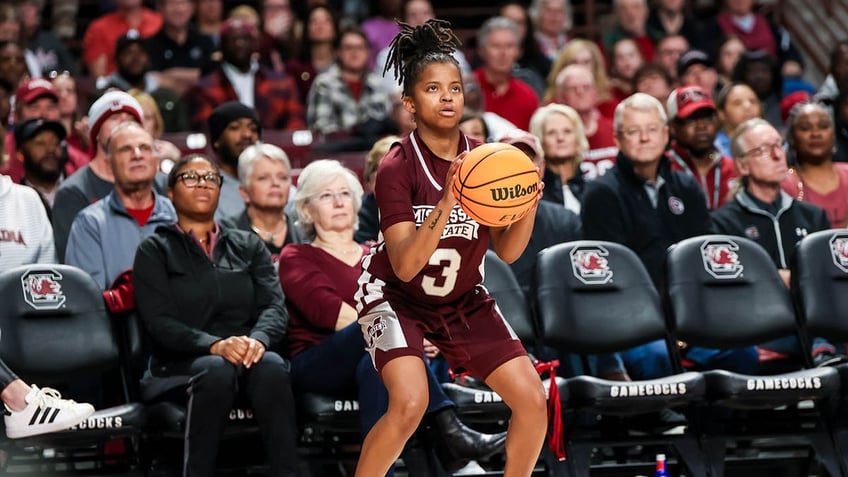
415,48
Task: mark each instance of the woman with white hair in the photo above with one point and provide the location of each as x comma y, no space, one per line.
563,139
265,179
319,280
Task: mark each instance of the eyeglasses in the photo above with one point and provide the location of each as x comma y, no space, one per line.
652,130
192,179
766,151
333,197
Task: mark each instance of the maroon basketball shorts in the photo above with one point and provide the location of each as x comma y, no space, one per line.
472,334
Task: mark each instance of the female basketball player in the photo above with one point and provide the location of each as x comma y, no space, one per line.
424,279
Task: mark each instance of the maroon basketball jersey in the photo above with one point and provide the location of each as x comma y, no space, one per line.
410,182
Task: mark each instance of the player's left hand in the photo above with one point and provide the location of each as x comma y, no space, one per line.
430,349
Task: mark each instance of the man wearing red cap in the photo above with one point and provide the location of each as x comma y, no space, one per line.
240,78
37,99
693,127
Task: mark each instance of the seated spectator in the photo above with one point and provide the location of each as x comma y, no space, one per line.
23,404
586,53
729,52
625,60
554,224
552,22
758,70
368,216
576,88
669,51
631,21
382,26
211,303
44,49
316,51
13,67
25,232
179,53
276,42
208,19
762,212
736,103
101,37
532,57
475,104
695,68
840,115
40,152
836,82
348,98
814,177
70,116
510,98
240,78
104,236
670,18
738,18
233,127
693,125
10,23
265,183
560,133
473,124
654,80
94,181
37,99
166,152
132,62
320,280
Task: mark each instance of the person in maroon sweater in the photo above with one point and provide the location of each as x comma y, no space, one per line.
319,280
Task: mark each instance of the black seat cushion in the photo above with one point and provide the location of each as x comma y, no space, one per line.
742,391
604,396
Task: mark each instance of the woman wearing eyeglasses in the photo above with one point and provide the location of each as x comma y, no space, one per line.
211,302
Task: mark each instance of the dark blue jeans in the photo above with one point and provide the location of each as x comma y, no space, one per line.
651,361
340,364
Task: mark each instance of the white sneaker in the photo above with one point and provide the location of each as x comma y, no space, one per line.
46,411
472,468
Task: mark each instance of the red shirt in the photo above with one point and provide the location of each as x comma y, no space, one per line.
413,183
718,181
103,34
315,284
516,105
602,151
834,203
141,215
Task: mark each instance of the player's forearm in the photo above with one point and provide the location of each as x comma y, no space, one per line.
410,254
509,242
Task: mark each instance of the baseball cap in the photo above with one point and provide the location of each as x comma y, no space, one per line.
686,100
519,137
32,127
33,89
110,103
237,25
131,37
692,57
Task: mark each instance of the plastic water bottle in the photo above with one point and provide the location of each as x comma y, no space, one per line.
661,472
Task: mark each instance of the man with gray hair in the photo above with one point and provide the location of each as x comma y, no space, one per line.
505,95
644,204
105,235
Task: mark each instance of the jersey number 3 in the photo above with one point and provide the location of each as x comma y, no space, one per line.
450,260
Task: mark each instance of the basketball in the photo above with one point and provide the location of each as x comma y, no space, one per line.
496,184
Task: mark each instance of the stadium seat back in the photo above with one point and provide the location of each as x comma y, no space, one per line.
725,292
596,297
504,288
54,323
820,283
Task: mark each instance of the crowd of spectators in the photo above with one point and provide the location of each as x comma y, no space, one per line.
665,127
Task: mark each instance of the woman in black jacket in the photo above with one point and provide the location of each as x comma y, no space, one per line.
211,302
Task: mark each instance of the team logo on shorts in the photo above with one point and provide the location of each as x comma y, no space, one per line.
43,289
721,260
375,330
839,251
590,265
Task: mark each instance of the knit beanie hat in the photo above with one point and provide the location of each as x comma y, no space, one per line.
111,103
227,113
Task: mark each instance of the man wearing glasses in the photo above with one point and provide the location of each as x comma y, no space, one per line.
104,236
760,208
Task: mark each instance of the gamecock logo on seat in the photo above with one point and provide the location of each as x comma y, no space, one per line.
839,251
721,260
590,265
43,289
